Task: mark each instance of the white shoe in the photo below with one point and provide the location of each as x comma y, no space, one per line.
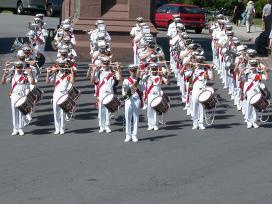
194,127
56,132
201,127
21,132
128,138
255,125
108,130
156,128
134,138
14,132
249,125
61,132
150,128
101,130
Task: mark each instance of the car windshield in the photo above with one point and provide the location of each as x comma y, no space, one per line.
190,10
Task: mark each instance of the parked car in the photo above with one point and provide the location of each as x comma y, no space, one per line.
160,3
191,16
50,7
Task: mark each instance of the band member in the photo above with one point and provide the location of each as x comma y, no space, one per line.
253,86
241,61
200,77
153,90
20,78
61,75
132,92
105,80
133,33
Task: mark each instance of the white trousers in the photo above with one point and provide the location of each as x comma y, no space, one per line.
136,58
250,114
103,114
58,115
17,116
132,111
152,117
197,112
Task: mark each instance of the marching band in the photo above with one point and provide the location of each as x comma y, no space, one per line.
241,71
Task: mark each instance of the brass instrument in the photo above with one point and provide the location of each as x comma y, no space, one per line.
132,89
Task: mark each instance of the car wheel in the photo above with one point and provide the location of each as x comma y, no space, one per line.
198,30
49,10
20,8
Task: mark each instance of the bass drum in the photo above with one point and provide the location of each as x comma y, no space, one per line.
66,103
41,60
259,102
207,98
161,104
73,92
111,102
24,105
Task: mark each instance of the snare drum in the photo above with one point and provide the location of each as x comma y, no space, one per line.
31,97
160,104
24,105
207,98
37,92
73,92
259,102
66,103
111,102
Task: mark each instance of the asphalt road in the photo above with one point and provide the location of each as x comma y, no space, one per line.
225,164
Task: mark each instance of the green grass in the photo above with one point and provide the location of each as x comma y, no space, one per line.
257,21
6,11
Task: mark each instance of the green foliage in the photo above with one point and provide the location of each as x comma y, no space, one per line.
226,4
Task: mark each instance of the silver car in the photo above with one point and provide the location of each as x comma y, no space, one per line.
20,6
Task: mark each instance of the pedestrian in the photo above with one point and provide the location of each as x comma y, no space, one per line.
237,12
267,16
250,12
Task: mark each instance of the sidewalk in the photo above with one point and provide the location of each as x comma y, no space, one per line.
241,33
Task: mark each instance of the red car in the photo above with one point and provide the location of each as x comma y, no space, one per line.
191,16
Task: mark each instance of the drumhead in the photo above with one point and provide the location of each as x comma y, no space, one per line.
209,88
156,101
204,96
107,99
20,101
255,98
62,99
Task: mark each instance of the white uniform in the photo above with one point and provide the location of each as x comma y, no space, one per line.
197,107
132,107
134,32
153,81
108,81
172,33
19,84
61,85
252,86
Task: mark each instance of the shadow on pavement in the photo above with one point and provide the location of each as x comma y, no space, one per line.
5,45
